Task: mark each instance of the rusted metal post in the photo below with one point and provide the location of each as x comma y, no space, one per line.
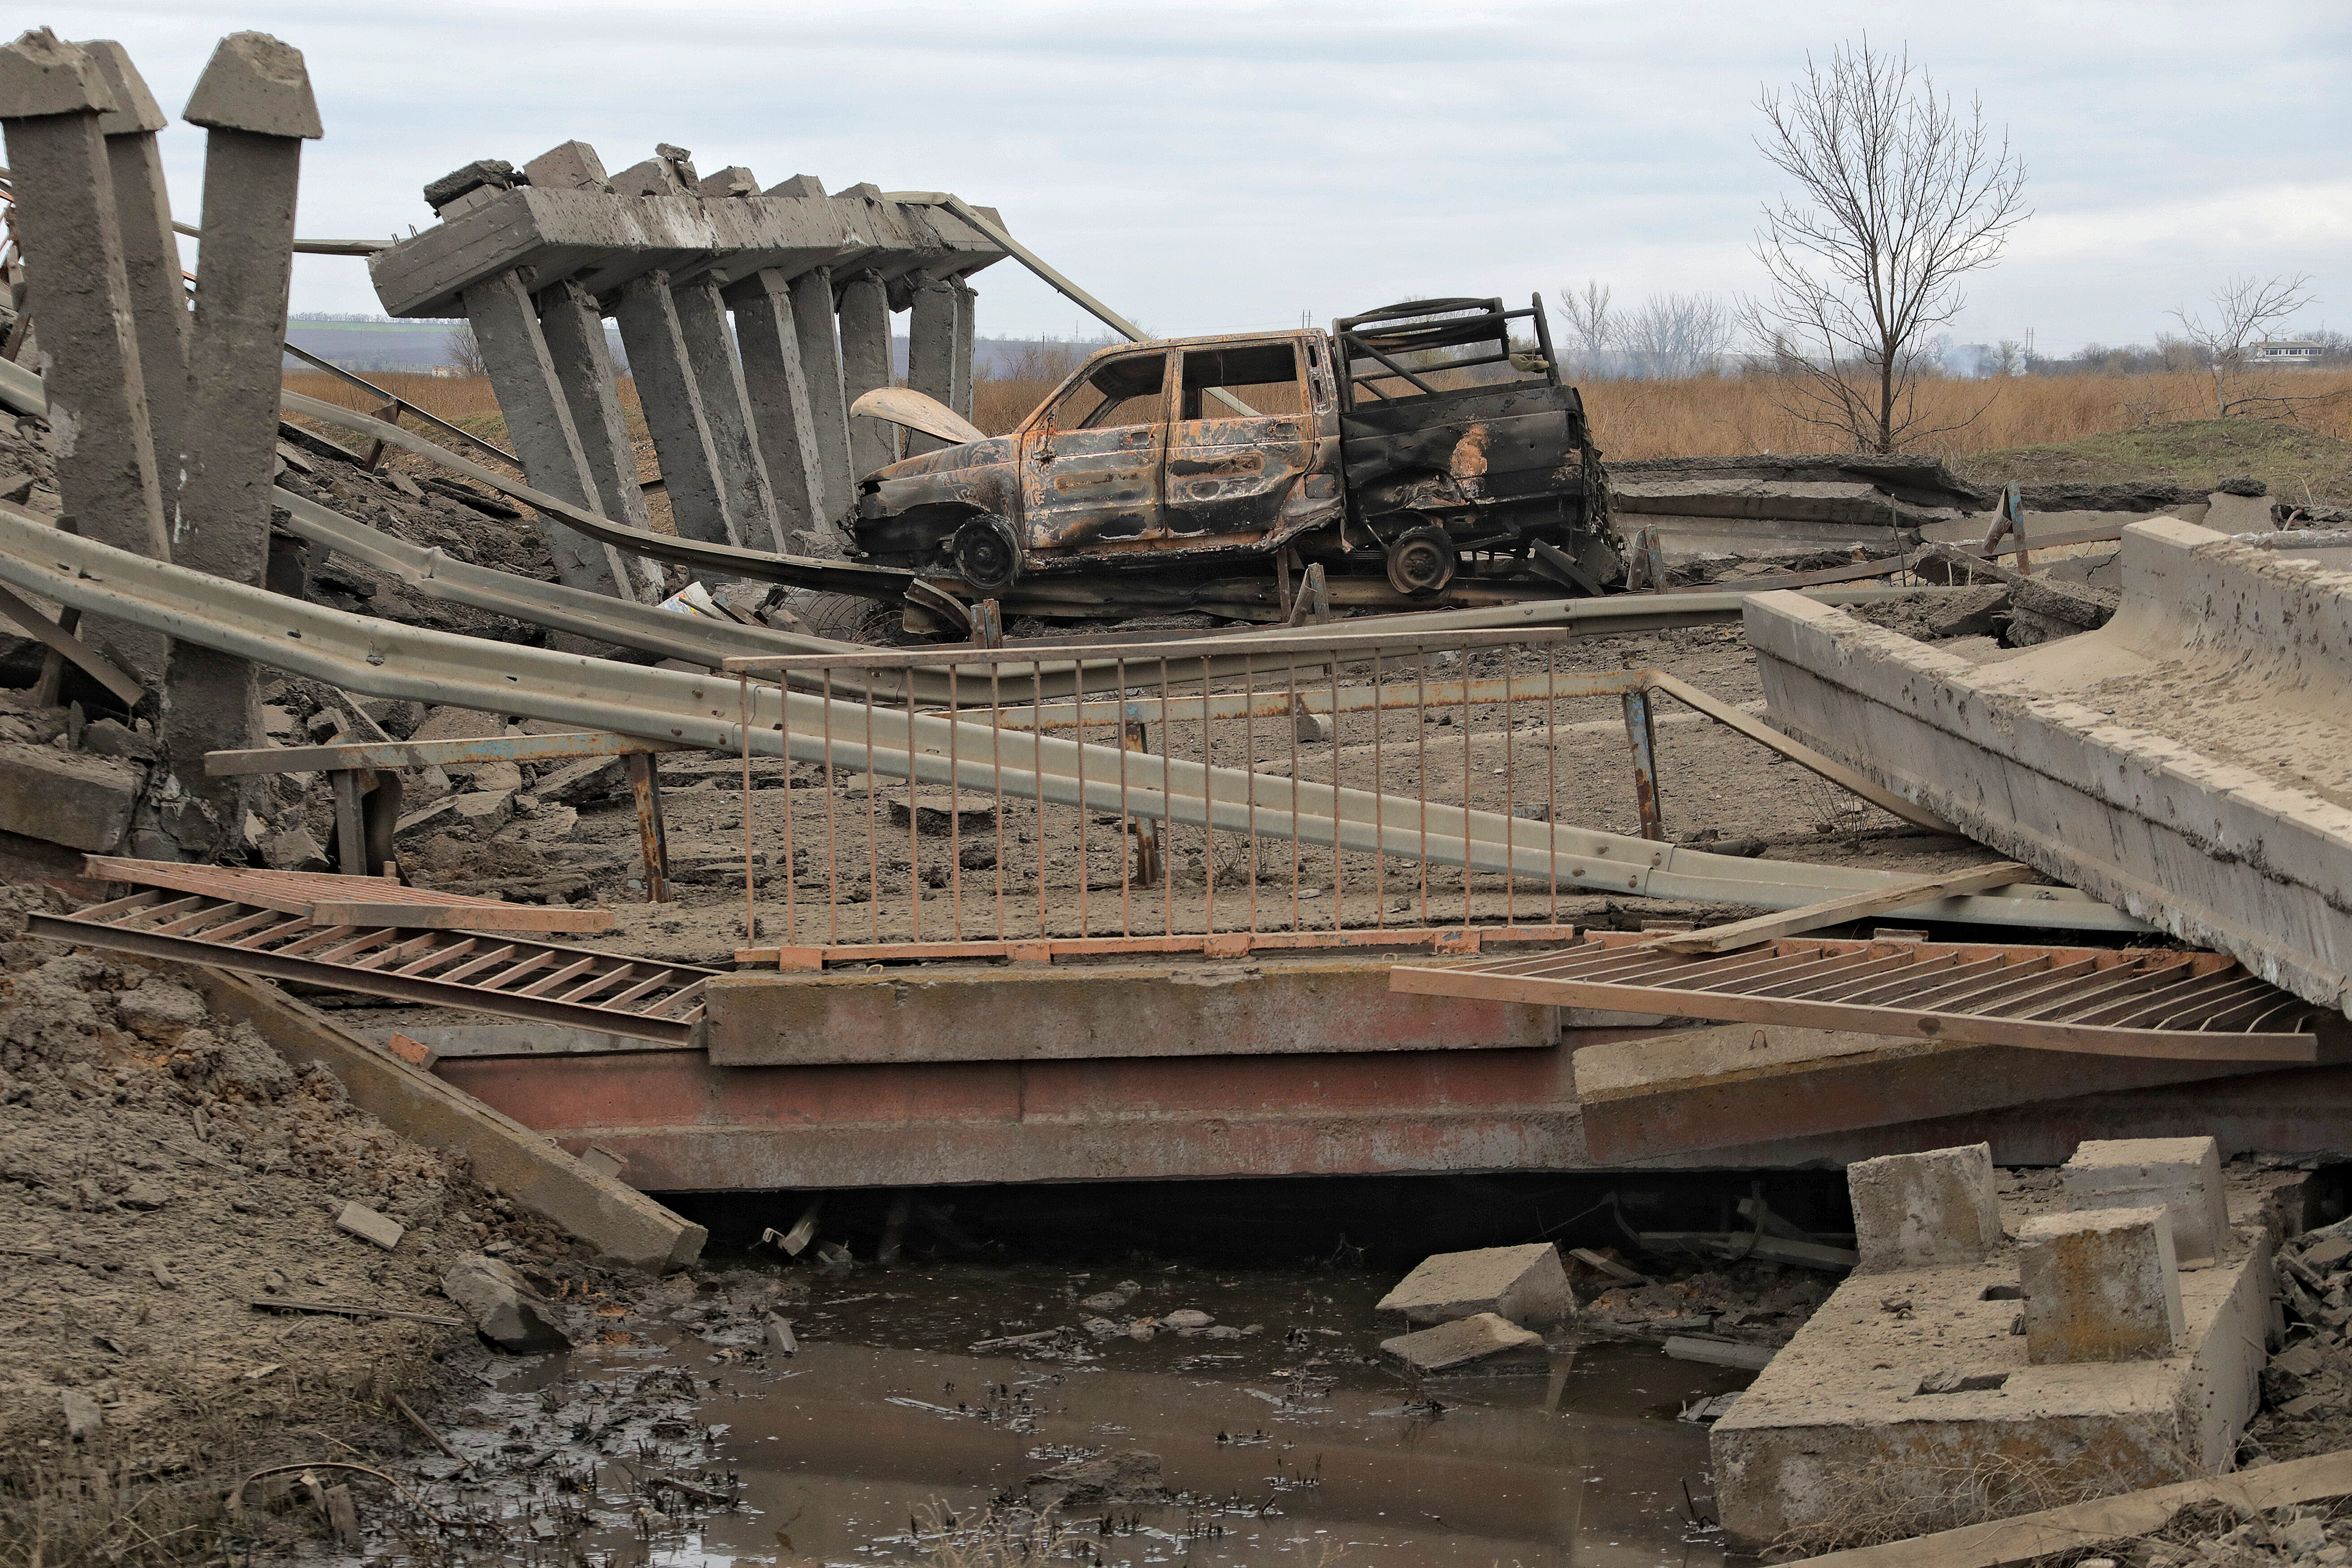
254,101
350,825
390,415
726,407
538,420
54,104
1147,832
782,414
864,310
987,623
1641,730
645,784
931,350
672,402
820,363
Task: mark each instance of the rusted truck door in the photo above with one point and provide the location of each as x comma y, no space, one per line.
1229,474
1090,460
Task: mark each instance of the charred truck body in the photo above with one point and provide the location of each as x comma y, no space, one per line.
1411,452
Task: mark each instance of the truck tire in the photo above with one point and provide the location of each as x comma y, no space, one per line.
1421,562
986,555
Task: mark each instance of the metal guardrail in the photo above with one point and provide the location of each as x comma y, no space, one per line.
1344,790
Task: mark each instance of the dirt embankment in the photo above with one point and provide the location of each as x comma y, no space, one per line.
162,1171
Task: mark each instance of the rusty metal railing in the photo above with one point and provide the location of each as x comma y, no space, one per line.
1236,794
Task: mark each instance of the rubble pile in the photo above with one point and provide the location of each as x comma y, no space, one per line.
163,1171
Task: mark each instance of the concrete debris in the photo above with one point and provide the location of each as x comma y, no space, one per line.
1493,1343
504,1307
1918,1211
358,1219
1524,1285
2182,1174
1130,1476
1720,1352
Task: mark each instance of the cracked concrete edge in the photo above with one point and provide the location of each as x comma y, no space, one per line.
621,1223
1912,718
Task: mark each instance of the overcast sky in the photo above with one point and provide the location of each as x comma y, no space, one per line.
1217,166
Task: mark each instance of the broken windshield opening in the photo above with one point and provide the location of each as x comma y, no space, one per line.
1121,392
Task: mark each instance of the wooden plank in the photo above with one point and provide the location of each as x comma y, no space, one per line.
2080,1526
1797,752
329,899
429,753
1853,905
60,641
1904,1023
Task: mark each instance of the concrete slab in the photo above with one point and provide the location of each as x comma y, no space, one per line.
1492,1343
1913,1394
67,797
1063,1012
1522,1284
2190,763
1713,1087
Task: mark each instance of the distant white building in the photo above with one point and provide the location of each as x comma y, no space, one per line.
2287,351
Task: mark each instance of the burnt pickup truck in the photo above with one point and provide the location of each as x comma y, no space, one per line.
1413,452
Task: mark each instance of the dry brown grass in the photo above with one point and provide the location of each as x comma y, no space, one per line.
1709,415
2111,426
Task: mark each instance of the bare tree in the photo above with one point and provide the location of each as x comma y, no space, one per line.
464,351
2244,311
1675,335
1898,195
1589,319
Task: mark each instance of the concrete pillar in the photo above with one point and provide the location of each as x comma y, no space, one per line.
726,405
53,101
151,255
931,351
2100,1285
2184,1174
966,345
828,410
254,101
781,411
865,308
539,423
573,327
673,409
1918,1211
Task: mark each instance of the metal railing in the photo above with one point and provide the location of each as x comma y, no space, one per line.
1234,793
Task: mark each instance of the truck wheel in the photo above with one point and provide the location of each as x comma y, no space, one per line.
1422,562
986,555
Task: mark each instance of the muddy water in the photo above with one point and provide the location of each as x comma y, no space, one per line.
1295,1444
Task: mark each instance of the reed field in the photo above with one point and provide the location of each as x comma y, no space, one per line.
2106,427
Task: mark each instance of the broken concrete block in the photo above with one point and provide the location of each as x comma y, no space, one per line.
591,778
1523,1284
567,166
777,1332
488,811
83,1418
363,1222
505,1309
109,738
72,798
2100,1285
2184,1174
1719,1353
493,778
1481,1337
296,849
160,1012
1915,1211
459,725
